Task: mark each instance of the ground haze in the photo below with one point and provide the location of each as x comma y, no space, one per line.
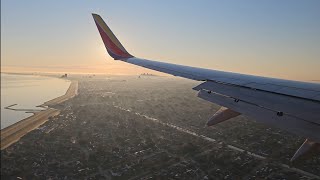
151,127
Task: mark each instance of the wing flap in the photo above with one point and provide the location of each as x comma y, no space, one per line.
299,108
261,114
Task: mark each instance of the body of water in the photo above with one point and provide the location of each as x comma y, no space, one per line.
28,92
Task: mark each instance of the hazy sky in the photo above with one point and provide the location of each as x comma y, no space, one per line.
268,38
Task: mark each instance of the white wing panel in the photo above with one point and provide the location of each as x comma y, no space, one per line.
286,87
297,92
266,87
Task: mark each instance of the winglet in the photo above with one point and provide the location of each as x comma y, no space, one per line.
112,44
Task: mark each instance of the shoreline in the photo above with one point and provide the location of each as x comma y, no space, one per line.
70,93
14,132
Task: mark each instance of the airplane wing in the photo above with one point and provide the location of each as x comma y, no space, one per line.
291,105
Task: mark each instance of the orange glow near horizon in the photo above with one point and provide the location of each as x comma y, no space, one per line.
108,69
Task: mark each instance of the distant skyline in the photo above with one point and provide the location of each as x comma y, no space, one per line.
266,38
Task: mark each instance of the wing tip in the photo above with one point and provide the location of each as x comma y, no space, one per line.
95,15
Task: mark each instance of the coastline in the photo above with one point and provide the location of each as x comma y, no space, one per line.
14,132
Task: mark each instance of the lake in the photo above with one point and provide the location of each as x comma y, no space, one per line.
28,92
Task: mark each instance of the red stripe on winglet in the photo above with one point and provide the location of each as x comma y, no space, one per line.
110,45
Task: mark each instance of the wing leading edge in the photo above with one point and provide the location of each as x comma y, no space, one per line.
290,105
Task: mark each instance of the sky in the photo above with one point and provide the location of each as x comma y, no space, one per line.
267,38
